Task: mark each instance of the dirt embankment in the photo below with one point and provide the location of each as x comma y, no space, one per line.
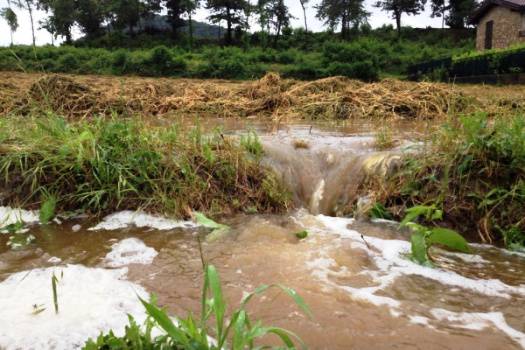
271,96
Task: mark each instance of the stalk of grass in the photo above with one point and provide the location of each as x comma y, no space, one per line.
54,282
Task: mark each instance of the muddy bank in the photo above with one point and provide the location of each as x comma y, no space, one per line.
271,96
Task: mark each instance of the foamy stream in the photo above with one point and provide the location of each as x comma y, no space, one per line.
363,290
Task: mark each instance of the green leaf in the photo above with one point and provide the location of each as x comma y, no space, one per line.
302,234
47,210
448,238
419,249
239,339
207,222
379,211
165,322
219,305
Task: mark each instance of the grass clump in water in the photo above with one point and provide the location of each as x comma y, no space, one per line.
236,332
474,170
106,164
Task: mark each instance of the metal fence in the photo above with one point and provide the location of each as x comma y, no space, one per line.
493,64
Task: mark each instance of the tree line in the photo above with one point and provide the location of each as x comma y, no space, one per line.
95,18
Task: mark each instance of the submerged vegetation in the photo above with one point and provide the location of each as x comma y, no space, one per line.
474,172
236,332
104,164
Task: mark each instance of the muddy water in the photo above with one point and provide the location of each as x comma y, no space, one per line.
363,291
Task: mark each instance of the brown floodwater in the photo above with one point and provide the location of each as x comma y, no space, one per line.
363,292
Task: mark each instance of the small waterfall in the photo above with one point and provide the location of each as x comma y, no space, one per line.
324,171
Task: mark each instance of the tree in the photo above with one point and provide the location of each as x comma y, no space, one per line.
29,5
176,9
190,7
273,14
62,18
126,13
303,6
346,13
234,12
279,17
90,14
9,15
459,12
439,9
398,7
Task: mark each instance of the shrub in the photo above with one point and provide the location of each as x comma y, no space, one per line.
68,63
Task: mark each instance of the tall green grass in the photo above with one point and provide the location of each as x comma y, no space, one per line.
105,164
474,171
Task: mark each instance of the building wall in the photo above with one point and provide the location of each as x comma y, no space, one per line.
507,27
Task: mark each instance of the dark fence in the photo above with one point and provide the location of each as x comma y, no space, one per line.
424,68
492,65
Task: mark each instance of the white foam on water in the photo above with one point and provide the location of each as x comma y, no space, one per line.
479,321
54,260
91,300
130,251
127,218
390,258
10,216
468,258
422,320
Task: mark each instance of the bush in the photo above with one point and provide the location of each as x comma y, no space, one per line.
68,63
362,70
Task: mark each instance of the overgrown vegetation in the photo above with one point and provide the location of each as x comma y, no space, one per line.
473,170
366,58
106,164
236,332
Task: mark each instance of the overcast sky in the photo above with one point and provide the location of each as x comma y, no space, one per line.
377,19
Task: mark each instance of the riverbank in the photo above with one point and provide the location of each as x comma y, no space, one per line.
105,164
473,169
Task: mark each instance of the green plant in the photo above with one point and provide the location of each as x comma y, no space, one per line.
378,211
236,332
423,238
384,139
252,144
47,209
301,234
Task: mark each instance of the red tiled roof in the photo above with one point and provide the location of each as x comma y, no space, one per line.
518,5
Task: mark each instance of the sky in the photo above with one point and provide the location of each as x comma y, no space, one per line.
376,19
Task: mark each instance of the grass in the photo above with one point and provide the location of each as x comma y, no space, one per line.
213,330
384,139
474,171
108,164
